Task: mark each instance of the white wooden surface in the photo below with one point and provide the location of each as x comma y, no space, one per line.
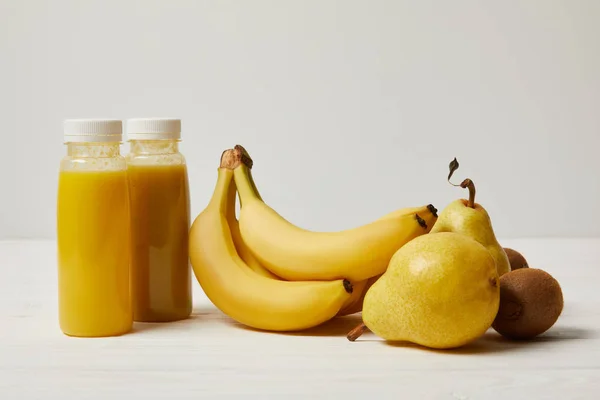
209,356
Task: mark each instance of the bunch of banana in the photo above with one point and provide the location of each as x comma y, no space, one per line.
268,274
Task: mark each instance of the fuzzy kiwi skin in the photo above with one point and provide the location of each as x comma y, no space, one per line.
516,259
531,301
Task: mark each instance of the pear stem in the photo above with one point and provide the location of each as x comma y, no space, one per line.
468,183
357,332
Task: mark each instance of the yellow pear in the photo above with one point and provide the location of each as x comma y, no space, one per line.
474,222
440,291
471,219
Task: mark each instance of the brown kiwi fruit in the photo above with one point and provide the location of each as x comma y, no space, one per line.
531,301
516,259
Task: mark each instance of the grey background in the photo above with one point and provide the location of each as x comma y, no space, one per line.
350,109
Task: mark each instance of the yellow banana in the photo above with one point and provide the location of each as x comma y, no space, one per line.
357,293
243,250
357,303
294,253
239,292
409,210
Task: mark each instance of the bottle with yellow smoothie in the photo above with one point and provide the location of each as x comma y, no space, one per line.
93,232
160,220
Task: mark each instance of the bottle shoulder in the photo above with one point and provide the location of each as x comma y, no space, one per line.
77,163
156,159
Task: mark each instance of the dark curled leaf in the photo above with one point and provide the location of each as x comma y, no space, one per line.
453,167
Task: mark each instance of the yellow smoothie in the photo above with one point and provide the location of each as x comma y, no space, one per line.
94,249
160,215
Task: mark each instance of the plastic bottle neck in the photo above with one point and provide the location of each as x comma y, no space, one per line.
141,147
94,150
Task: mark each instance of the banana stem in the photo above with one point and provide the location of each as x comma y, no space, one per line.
238,160
357,332
244,184
246,160
231,196
253,184
221,191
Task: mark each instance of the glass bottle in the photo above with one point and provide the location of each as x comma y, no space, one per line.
93,232
160,215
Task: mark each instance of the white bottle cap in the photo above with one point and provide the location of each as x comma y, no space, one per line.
93,130
153,129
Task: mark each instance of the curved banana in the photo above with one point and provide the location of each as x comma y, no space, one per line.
357,304
358,290
243,250
242,294
294,253
410,210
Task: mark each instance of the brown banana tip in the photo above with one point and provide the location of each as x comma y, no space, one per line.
432,209
244,156
356,332
348,286
421,221
228,159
